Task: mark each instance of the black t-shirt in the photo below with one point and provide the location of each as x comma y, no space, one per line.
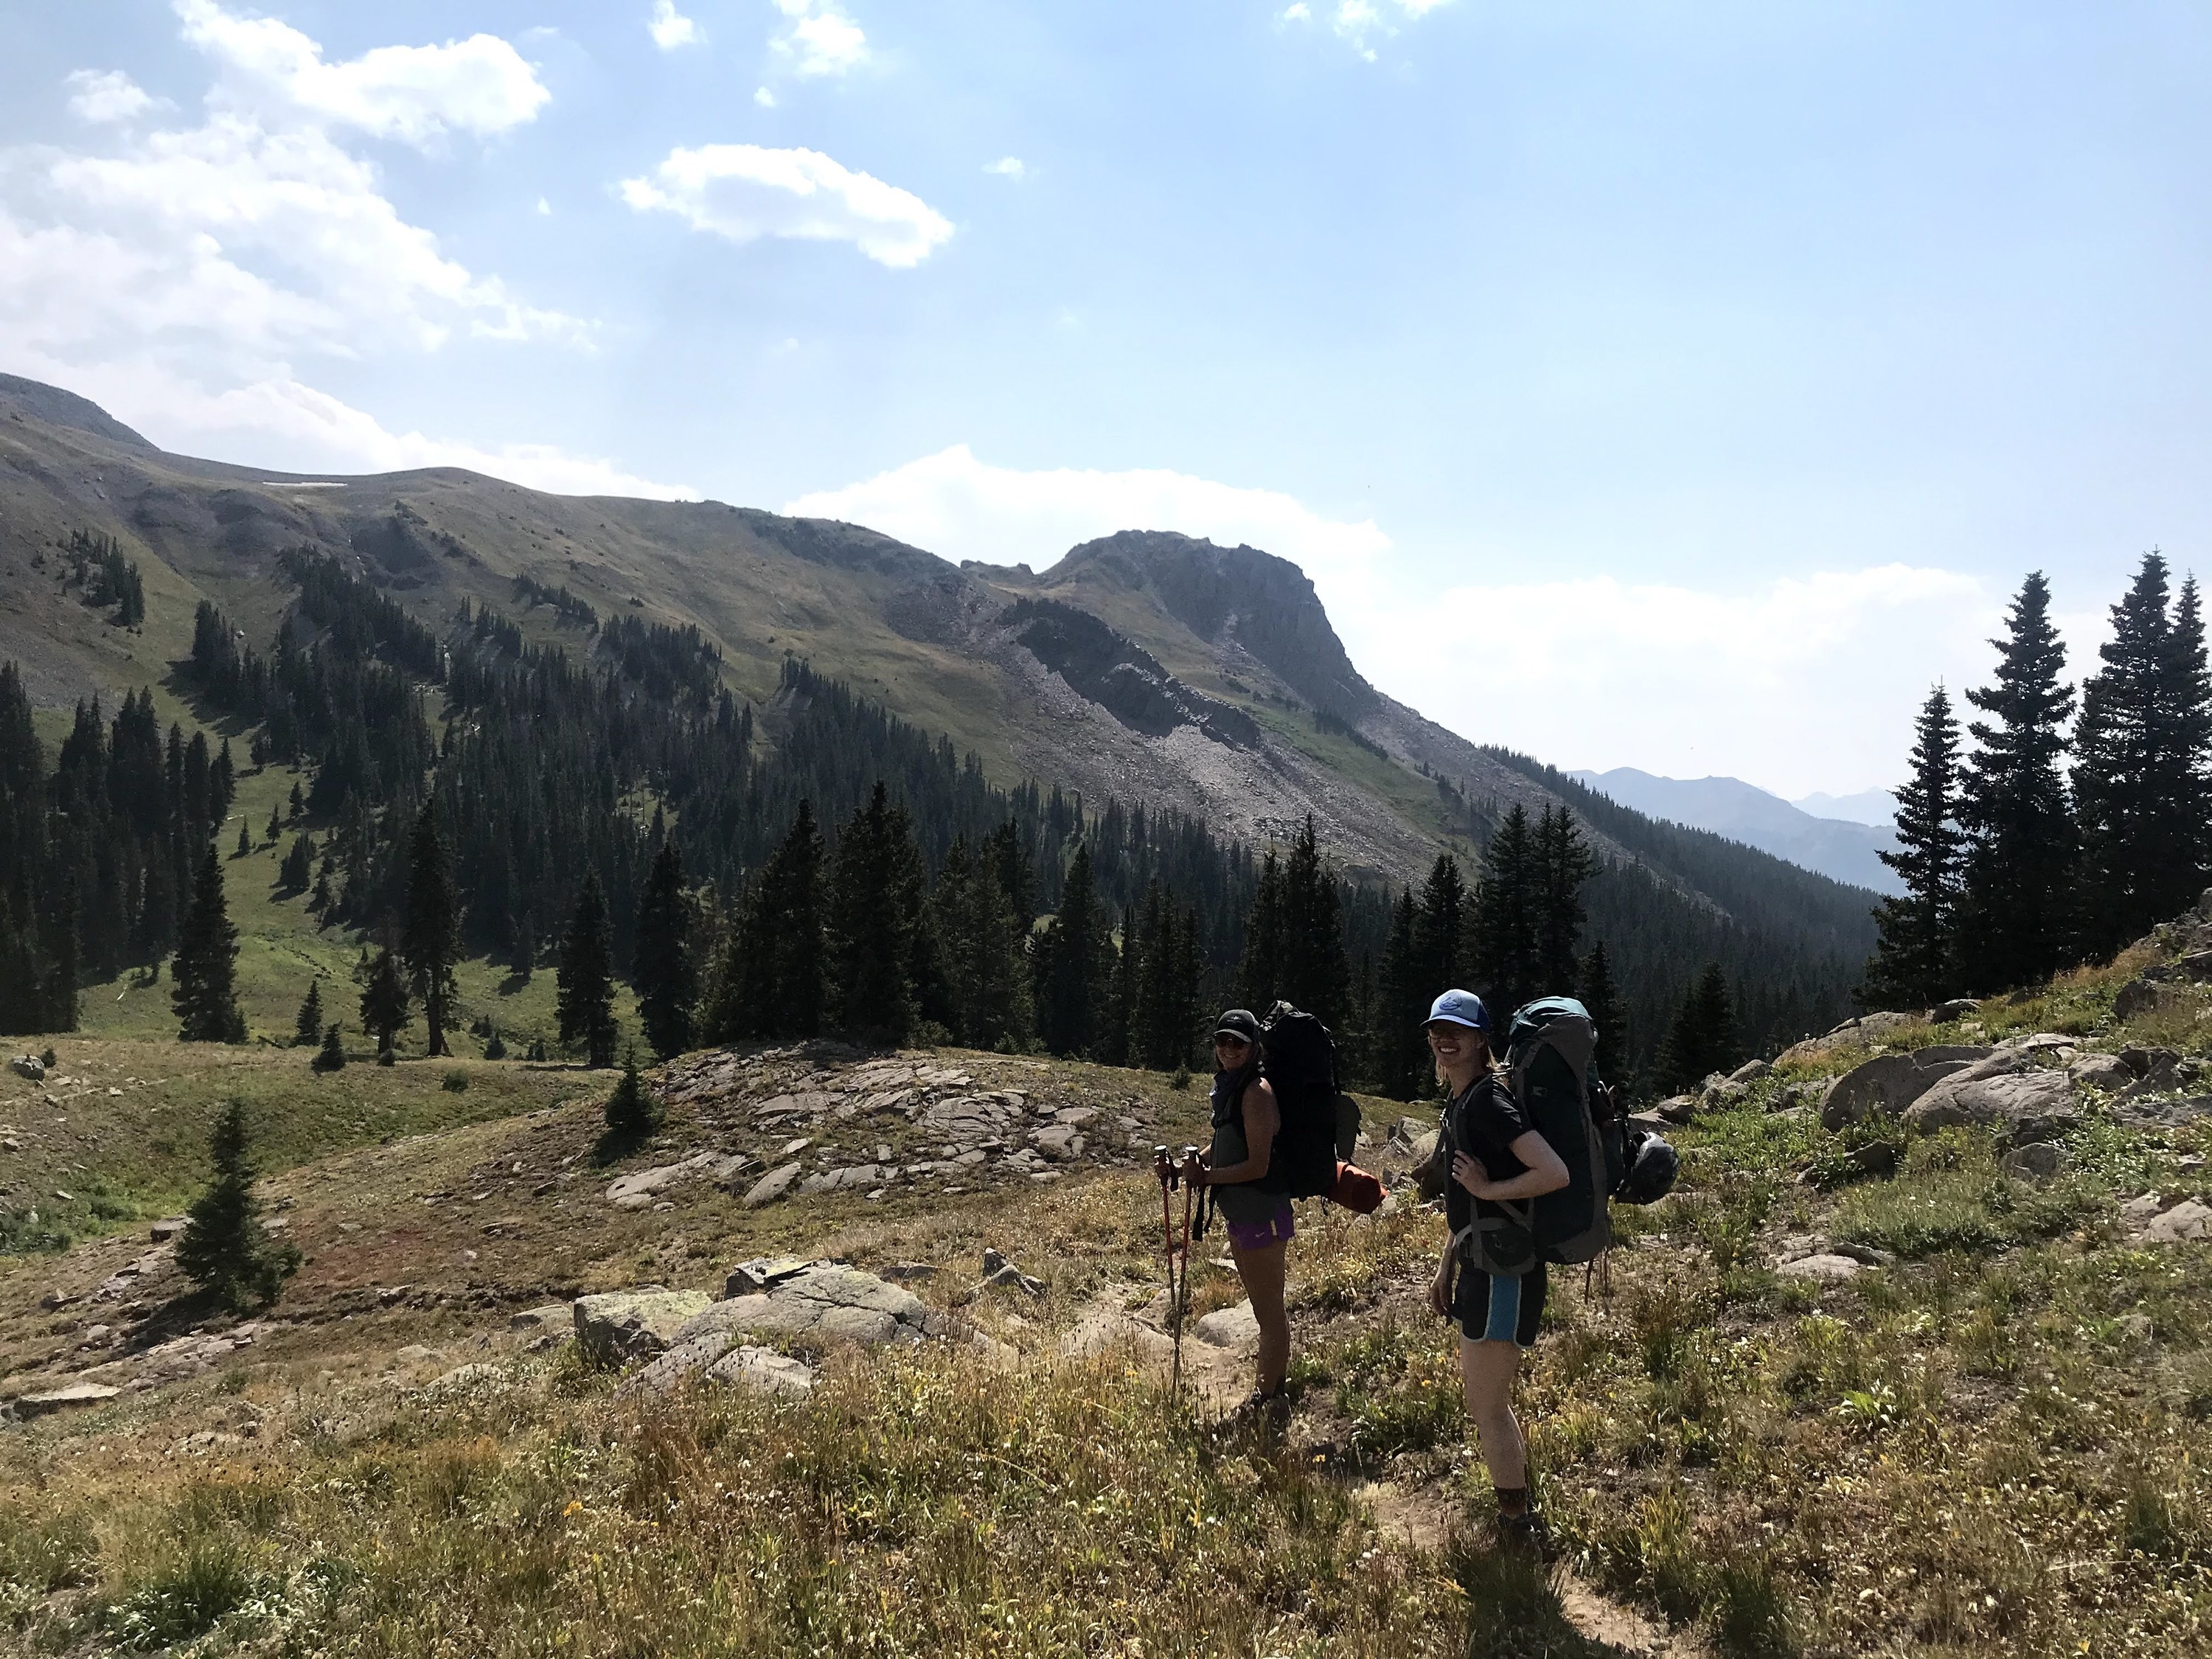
1485,1121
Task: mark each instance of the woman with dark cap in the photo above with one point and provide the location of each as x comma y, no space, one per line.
1495,1159
1246,1121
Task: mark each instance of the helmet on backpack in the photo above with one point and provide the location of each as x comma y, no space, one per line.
1652,1167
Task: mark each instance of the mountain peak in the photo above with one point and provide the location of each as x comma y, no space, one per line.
50,404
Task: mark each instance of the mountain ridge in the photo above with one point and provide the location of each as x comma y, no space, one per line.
1839,849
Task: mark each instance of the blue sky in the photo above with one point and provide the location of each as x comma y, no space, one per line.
1682,387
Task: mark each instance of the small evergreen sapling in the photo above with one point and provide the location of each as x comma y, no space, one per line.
245,842
632,1112
224,1249
309,1026
330,1057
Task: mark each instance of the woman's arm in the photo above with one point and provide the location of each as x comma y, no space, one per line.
1263,1119
1544,1173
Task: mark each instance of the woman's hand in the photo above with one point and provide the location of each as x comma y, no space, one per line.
1469,1173
1440,1294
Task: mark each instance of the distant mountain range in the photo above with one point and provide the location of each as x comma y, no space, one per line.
1840,848
1876,806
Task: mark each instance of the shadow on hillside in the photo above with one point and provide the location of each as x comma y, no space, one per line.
1515,1608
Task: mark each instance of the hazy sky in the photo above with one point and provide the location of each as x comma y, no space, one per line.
1675,385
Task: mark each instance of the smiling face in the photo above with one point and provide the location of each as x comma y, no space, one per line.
1230,1051
1458,1048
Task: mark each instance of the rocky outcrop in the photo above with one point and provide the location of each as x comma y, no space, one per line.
1886,1085
627,1325
2025,1106
640,1189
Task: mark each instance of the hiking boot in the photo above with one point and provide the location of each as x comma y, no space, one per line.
1525,1534
1270,1406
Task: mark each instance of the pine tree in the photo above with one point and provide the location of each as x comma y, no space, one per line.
1564,864
1913,961
2016,923
1071,958
384,1003
274,832
224,1249
1260,974
771,982
586,1002
298,867
330,1057
1315,974
633,1114
309,1028
206,963
1403,995
1601,997
1703,1038
2137,771
2188,702
245,843
430,937
988,982
1439,933
873,908
1113,1047
666,981
1506,921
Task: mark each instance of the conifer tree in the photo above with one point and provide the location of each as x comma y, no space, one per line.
224,1249
384,1003
663,972
430,938
245,843
585,1003
201,977
2138,768
1439,934
2017,918
1913,961
874,909
1071,958
274,832
1601,997
1563,863
1113,1047
1402,1001
633,1114
1260,974
330,1057
1506,922
298,867
1315,974
309,1028
2188,698
987,983
1703,1038
772,982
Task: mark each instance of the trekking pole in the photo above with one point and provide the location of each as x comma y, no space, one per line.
1179,1286
1163,1166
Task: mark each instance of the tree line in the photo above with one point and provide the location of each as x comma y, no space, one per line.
2074,824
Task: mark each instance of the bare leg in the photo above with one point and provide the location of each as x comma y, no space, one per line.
1486,1371
1261,1271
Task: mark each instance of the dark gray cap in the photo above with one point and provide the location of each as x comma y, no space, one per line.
1238,1022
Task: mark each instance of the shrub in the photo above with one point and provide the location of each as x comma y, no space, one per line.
455,1082
494,1046
209,1579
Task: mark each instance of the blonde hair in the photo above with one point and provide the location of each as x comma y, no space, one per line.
1489,1059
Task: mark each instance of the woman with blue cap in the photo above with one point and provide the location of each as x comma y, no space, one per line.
1495,1159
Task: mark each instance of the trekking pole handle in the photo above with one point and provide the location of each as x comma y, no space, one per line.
1164,1166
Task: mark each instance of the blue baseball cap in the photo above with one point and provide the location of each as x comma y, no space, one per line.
1460,1008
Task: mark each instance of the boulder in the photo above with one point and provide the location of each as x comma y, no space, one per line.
826,1302
2144,1062
765,1370
2104,1072
167,1228
772,1186
66,1398
1885,1086
1823,1269
2163,1114
1750,1071
1677,1108
550,1316
1229,1328
752,1277
2028,1105
999,1273
2136,997
2039,1160
29,1067
2189,1220
626,1325
1957,1008
638,1190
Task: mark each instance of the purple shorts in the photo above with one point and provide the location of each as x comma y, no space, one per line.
1274,1228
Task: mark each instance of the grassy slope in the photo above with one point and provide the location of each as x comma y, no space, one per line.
1992,1446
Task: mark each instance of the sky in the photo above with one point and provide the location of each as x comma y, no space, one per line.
1678,385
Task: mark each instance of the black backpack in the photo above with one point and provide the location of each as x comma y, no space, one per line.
1300,1064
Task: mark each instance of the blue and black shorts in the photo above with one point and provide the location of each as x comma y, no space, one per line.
1491,1308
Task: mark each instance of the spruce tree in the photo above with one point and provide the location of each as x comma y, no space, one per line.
1564,864
2137,771
1259,973
585,1003
245,843
1071,958
2189,701
633,1114
384,1003
1113,1037
772,980
1398,1058
202,989
1315,974
309,1028
224,1249
1703,1038
2017,919
1506,923
872,911
1597,992
298,867
1913,962
663,972
330,1057
1439,933
430,937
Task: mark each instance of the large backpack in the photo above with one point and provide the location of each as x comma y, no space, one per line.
1300,1062
1548,1045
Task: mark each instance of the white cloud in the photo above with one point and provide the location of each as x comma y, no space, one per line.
669,28
743,191
416,93
1006,167
1362,22
818,38
763,97
963,509
108,96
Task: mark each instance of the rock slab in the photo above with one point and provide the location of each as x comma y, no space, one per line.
626,1325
